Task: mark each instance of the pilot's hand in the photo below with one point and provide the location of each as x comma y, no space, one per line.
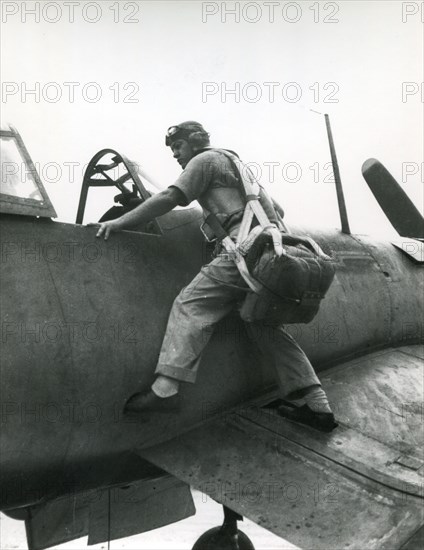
106,228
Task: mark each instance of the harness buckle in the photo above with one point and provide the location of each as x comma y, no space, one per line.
208,232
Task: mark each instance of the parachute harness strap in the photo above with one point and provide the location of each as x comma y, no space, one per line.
252,209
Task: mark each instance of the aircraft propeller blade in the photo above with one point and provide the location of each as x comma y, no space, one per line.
398,207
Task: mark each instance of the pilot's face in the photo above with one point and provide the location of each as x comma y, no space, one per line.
183,151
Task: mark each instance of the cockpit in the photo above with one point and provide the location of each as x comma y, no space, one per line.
108,168
22,191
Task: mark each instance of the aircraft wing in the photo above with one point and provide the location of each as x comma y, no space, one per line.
359,487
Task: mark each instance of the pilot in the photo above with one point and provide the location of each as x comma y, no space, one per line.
209,177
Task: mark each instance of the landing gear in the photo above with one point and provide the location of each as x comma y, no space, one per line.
226,537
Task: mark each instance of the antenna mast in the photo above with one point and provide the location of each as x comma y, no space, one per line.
338,181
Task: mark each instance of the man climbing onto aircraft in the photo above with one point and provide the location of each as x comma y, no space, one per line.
210,177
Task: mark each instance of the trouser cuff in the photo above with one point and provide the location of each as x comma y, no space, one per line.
177,373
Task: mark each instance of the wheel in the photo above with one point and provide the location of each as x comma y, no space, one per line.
218,539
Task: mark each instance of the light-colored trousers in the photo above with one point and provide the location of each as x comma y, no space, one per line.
207,300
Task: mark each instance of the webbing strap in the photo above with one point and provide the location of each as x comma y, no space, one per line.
259,212
245,225
231,248
253,208
249,183
216,226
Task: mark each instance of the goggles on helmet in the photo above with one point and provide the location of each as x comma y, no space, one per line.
174,133
182,131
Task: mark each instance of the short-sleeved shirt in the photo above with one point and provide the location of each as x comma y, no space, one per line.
211,179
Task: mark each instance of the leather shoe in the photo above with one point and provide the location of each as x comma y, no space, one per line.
325,422
150,402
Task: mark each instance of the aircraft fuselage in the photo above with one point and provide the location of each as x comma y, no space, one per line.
82,324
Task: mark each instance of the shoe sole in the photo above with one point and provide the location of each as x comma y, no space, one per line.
322,425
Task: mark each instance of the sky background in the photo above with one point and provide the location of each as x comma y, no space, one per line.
154,64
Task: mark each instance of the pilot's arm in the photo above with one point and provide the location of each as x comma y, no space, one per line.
155,206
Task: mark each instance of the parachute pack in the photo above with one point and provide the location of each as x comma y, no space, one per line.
287,275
